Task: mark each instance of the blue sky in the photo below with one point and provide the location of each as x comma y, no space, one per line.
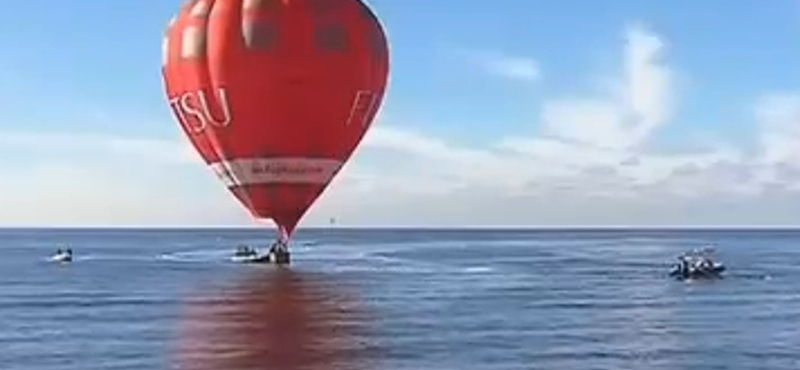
521,109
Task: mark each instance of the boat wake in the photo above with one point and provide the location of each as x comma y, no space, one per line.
195,256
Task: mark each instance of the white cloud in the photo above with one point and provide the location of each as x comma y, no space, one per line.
164,151
779,119
639,103
593,151
508,66
63,179
590,162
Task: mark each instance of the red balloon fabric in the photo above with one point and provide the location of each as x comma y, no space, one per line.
275,95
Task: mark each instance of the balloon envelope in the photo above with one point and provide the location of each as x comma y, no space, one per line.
275,95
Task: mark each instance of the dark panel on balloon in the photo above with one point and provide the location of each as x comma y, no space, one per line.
331,38
259,34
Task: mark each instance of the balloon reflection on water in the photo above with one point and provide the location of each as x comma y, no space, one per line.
276,319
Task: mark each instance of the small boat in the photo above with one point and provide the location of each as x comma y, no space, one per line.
245,254
62,256
697,264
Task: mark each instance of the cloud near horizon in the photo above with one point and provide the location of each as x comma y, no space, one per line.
592,159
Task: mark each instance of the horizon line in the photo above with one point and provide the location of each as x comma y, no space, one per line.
420,228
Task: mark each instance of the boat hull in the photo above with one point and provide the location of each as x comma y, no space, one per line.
251,259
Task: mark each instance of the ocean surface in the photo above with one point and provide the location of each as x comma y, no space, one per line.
397,300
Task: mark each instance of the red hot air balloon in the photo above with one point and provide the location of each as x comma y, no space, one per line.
275,94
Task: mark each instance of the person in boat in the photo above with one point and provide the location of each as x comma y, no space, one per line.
244,250
273,249
67,252
702,262
688,265
279,252
683,265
